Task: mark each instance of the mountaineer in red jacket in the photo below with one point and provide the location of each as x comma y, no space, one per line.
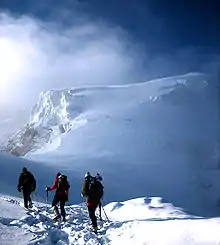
92,188
61,185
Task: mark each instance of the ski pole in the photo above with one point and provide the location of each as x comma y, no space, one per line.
100,211
104,212
46,195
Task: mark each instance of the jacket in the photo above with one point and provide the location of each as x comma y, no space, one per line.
63,192
27,181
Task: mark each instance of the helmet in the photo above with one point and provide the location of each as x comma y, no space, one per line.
98,177
87,175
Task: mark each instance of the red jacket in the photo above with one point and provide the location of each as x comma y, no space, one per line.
60,192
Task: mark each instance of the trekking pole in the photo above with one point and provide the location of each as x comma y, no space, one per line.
46,196
104,212
100,211
32,196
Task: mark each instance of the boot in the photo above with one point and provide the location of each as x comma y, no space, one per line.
56,218
95,226
95,229
30,205
56,213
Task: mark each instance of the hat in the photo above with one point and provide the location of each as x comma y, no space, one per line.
87,175
58,174
98,177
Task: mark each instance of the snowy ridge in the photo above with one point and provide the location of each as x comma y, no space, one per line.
51,110
49,119
145,208
59,111
36,226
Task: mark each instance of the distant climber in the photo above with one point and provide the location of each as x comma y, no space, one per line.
61,185
27,184
93,190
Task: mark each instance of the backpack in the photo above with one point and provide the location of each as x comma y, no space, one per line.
28,181
63,183
95,188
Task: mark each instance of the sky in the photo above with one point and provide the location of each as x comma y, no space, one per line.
55,44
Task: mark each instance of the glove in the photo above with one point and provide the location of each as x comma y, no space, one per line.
19,189
47,189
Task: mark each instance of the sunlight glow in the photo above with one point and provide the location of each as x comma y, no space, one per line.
11,64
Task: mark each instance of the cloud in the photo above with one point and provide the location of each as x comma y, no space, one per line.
37,56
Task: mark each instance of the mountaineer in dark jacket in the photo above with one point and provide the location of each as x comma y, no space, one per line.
61,185
27,184
93,190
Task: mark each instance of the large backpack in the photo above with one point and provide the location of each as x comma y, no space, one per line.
95,188
63,183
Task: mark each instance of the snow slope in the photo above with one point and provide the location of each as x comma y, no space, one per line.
158,138
11,120
160,223
10,234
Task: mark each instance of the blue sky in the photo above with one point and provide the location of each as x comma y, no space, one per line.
162,24
131,41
